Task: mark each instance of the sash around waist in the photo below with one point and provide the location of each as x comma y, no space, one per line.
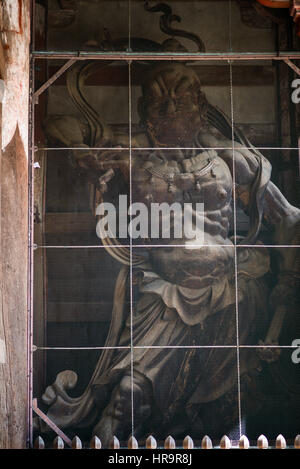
193,305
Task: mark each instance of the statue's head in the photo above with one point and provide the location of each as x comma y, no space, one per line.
172,107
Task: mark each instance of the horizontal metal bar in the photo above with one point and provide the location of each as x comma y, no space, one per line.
214,346
86,348
164,246
155,148
136,56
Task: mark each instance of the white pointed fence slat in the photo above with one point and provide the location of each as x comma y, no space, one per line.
188,443
297,442
170,443
58,443
225,442
280,442
39,443
151,442
244,442
262,442
95,443
114,443
206,443
132,443
76,443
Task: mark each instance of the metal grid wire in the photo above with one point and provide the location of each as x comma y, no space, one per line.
237,346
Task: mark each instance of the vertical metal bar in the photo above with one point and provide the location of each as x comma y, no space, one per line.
30,248
45,278
30,233
235,229
130,249
130,234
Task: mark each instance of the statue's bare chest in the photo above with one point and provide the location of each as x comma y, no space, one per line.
204,178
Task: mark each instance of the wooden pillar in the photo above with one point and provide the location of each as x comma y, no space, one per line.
14,39
13,309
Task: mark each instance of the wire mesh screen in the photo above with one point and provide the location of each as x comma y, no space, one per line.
167,235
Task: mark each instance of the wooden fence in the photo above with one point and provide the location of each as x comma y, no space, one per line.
170,443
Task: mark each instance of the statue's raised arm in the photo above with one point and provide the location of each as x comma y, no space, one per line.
283,223
86,136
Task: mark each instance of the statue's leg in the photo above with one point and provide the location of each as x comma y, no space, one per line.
117,416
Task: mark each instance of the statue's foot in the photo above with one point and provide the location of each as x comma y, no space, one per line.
116,417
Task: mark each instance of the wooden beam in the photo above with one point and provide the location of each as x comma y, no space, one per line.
275,3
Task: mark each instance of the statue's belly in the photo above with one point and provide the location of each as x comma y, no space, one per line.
193,267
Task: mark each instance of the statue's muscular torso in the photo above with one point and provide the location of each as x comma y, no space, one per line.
188,177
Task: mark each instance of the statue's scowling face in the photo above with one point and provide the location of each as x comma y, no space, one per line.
172,105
